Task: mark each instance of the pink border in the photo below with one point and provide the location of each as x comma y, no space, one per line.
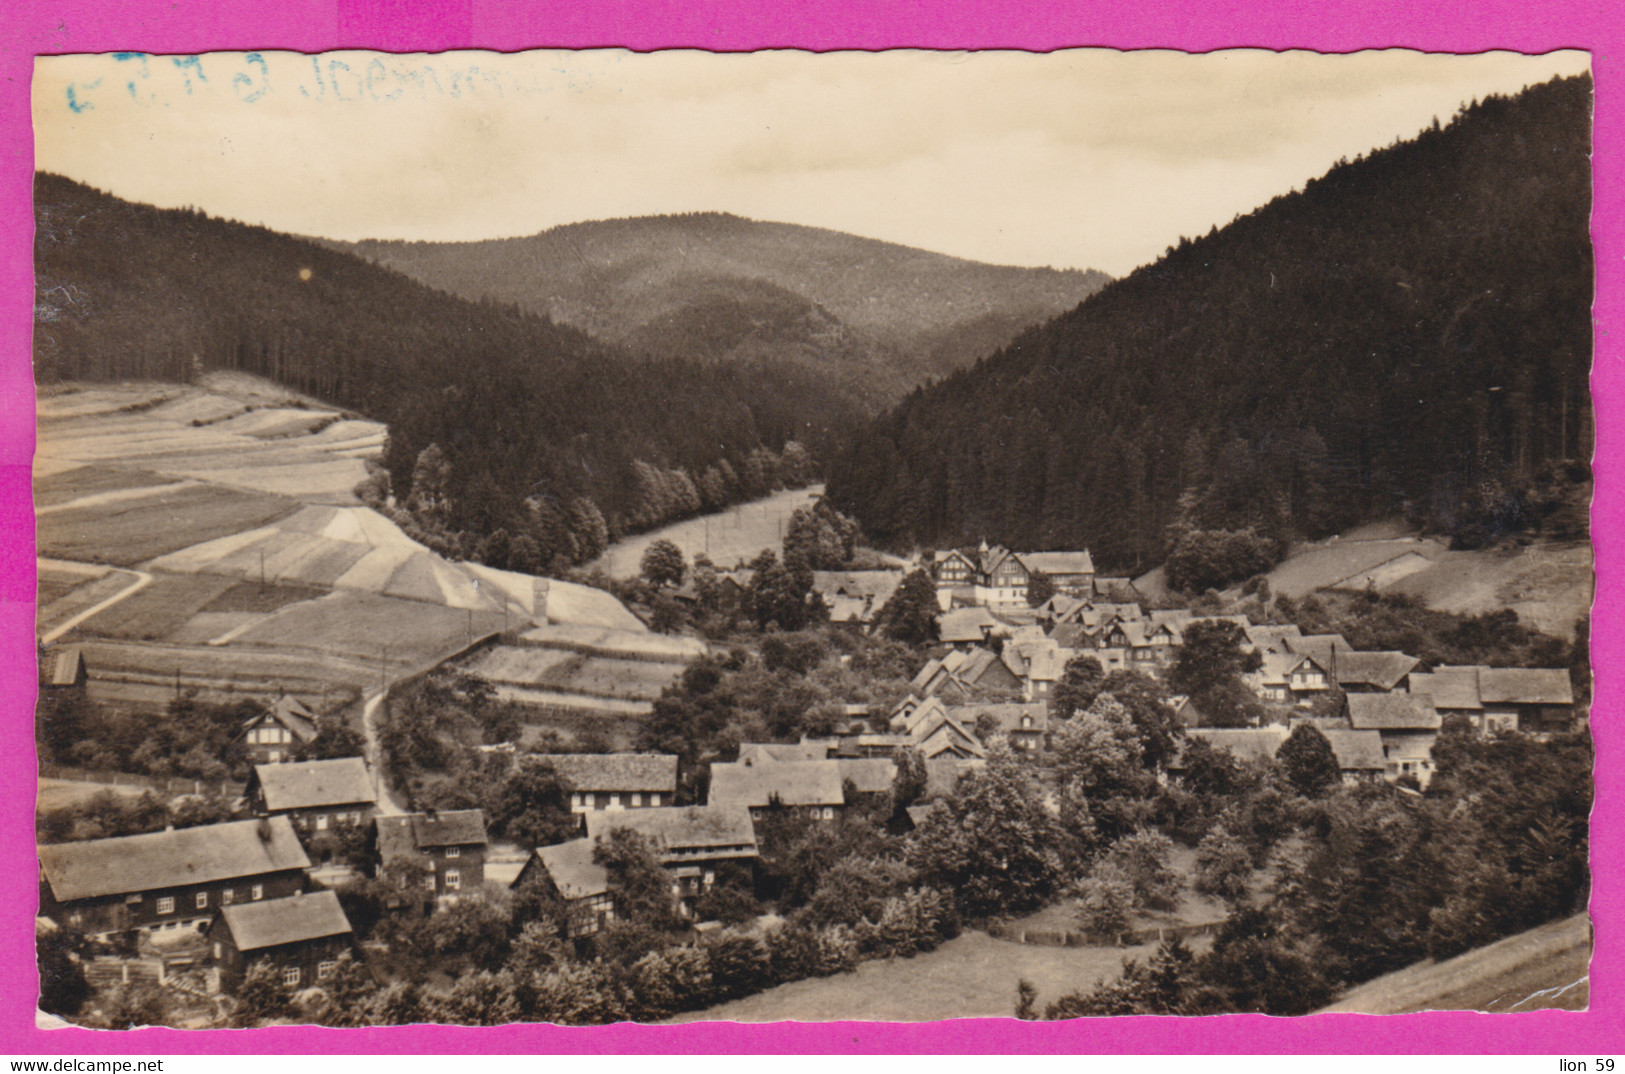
44,26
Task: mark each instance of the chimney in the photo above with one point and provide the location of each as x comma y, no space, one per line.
262,828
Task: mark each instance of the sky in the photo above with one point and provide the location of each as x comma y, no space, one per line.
1085,158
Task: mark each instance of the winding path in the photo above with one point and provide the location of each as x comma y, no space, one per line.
142,581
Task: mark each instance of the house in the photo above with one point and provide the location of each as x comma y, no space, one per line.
171,879
779,752
1502,699
617,780
314,795
966,627
450,844
853,597
1026,725
272,736
1061,608
1185,711
1271,637
985,576
1290,678
1039,664
1359,753
809,787
1071,572
1373,673
1150,645
935,732
867,775
963,673
689,841
568,870
62,670
1408,724
300,937
1327,649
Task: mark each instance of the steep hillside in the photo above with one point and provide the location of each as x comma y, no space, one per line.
521,407
878,317
1410,334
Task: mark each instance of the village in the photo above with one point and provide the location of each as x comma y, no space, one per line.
255,905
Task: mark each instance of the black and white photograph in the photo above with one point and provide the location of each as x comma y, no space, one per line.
593,536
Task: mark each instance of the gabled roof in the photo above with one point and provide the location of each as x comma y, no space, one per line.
1392,712
978,663
274,922
1133,631
1275,668
1060,606
1008,715
404,835
965,624
1060,563
938,732
574,872
673,828
1320,646
200,855
874,585
942,774
921,712
1453,689
1272,635
789,783
1175,617
1247,743
1068,635
311,784
1525,686
616,771
1382,670
868,775
779,752
851,609
1357,751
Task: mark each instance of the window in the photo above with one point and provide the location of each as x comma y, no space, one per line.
166,905
274,756
829,812
654,799
324,970
218,951
454,880
290,976
257,892
614,801
203,900
226,896
588,799
428,881
575,801
454,852
76,919
637,800
321,822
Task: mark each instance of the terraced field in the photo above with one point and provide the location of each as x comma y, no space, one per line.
128,532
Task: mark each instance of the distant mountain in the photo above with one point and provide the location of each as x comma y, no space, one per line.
1410,334
521,408
877,317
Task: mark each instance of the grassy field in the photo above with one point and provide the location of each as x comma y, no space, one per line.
156,612
131,532
733,537
1545,968
973,976
367,627
68,485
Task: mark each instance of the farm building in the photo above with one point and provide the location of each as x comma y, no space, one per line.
617,780
1071,572
568,871
314,795
1408,723
689,840
63,670
1369,673
450,845
1501,699
810,787
272,736
301,937
1026,725
171,879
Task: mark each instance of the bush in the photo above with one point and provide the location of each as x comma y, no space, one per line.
1106,902
1143,859
1223,865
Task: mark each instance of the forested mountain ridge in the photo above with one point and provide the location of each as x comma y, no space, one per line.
1411,332
877,317
521,408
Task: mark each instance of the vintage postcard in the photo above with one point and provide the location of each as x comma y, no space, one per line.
587,537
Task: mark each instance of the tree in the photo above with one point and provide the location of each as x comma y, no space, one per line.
1143,857
820,538
1154,721
1211,654
1097,752
642,889
1080,681
62,985
262,997
995,845
1106,901
533,805
1040,588
663,564
782,596
334,739
910,615
1308,762
1223,865
430,500
1026,1000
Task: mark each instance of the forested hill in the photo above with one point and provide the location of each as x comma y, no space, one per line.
521,407
1410,332
877,317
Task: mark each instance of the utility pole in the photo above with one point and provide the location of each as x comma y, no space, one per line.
262,568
